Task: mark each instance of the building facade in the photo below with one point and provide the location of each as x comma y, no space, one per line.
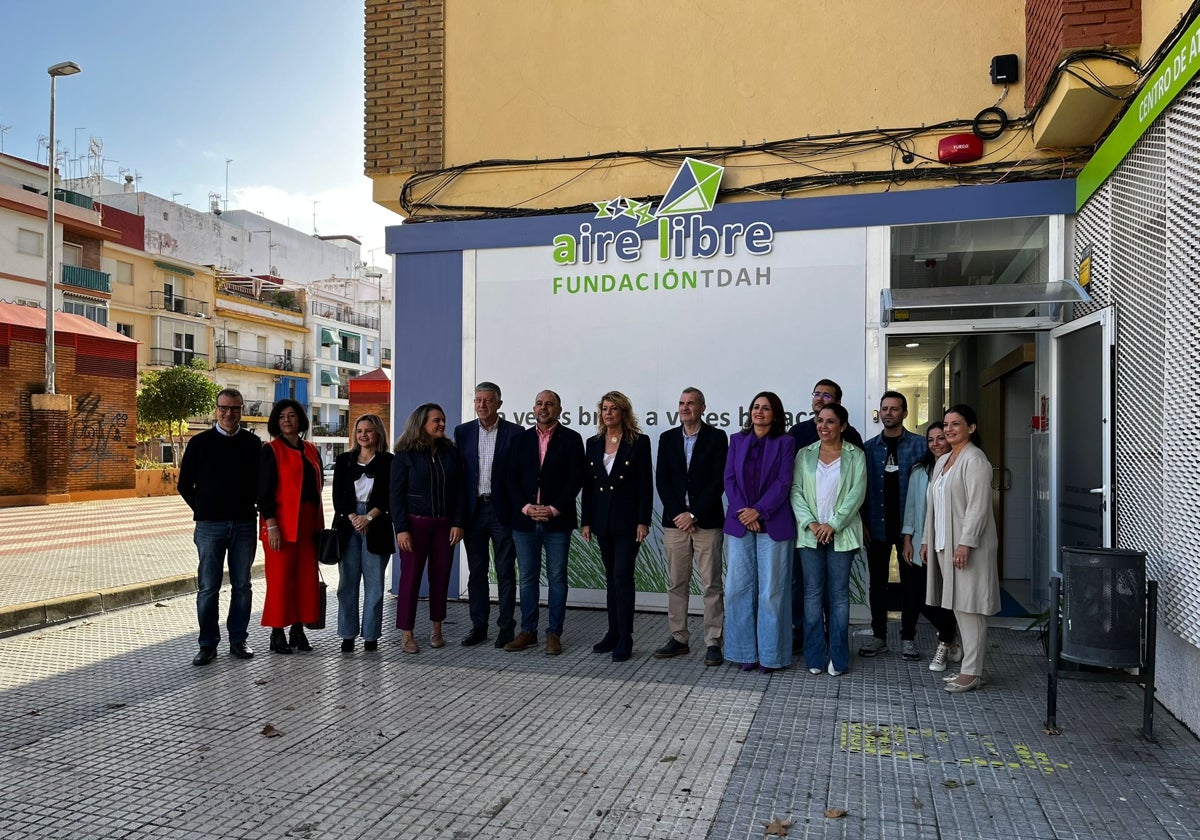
903,218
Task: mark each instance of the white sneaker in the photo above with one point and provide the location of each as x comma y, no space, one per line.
814,671
938,663
833,672
955,653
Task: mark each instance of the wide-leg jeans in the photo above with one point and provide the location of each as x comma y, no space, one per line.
758,600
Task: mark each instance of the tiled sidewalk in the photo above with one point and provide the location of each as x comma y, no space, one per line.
107,732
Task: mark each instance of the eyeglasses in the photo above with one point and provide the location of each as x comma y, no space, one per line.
228,408
823,396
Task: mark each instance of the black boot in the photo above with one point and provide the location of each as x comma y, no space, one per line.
279,642
298,640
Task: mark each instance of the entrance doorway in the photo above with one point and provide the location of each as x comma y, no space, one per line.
997,374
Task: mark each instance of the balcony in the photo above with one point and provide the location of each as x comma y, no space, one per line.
258,358
86,278
345,355
277,299
344,314
257,408
174,357
179,303
323,430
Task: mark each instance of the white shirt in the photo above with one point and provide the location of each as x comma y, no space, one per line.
939,510
827,488
487,453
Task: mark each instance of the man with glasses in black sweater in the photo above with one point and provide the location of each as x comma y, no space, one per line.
218,478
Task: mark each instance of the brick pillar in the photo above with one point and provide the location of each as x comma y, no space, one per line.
49,447
1054,28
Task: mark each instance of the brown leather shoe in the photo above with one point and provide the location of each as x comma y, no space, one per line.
522,641
553,645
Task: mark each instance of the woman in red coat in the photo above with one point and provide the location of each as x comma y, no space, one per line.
289,506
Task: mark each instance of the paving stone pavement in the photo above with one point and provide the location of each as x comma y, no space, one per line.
107,731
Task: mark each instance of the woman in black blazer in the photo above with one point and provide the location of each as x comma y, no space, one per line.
361,485
618,497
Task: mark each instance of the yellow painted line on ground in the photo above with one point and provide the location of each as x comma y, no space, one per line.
887,741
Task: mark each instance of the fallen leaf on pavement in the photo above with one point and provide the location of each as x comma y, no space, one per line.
261,682
918,804
667,758
950,783
777,827
270,731
835,813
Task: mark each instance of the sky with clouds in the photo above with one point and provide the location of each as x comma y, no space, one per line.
171,89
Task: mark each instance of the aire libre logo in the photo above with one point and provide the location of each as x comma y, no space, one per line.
682,231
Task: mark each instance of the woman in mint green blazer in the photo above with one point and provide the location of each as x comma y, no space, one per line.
829,484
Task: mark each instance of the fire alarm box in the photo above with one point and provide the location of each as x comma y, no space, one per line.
960,148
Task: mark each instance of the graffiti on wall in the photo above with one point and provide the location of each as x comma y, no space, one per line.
94,433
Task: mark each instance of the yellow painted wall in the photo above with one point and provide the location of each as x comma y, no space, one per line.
546,79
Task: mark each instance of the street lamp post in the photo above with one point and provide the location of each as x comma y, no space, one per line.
63,68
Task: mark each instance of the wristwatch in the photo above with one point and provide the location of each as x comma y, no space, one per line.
369,517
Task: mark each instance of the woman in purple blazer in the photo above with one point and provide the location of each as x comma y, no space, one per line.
761,534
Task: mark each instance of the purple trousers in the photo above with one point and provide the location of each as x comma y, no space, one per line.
430,542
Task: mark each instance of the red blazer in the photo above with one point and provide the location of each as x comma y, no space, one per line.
289,466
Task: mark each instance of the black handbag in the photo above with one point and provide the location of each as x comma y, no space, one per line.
329,547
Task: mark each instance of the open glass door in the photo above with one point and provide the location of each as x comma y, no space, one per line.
1081,434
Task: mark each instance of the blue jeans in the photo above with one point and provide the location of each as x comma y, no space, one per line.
758,600
358,562
529,545
826,572
487,528
215,541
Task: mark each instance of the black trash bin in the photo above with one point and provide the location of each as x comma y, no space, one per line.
1104,606
1108,618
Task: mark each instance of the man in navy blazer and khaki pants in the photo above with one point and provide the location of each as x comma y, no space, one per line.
484,444
690,478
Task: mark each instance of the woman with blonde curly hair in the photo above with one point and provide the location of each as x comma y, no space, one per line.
618,497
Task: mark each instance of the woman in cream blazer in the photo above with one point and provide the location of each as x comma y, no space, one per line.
960,542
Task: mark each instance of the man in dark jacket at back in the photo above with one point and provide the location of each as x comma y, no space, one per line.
218,478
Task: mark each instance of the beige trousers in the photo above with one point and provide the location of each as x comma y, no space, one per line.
972,630
704,545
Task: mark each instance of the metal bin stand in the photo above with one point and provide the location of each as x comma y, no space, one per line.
1108,618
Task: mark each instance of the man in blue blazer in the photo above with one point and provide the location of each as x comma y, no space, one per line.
690,478
545,474
484,445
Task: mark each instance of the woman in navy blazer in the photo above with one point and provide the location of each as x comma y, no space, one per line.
762,532
618,498
428,506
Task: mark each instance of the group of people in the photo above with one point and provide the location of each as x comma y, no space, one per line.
787,511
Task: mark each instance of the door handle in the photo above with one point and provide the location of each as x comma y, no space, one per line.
1097,491
995,482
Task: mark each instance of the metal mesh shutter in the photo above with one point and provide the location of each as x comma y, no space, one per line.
1144,229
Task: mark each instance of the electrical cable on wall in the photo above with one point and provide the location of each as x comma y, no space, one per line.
810,151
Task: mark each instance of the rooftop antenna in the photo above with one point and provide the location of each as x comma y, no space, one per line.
315,203
175,195
227,162
4,129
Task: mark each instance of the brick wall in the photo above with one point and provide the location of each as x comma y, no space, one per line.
403,85
98,442
1054,28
